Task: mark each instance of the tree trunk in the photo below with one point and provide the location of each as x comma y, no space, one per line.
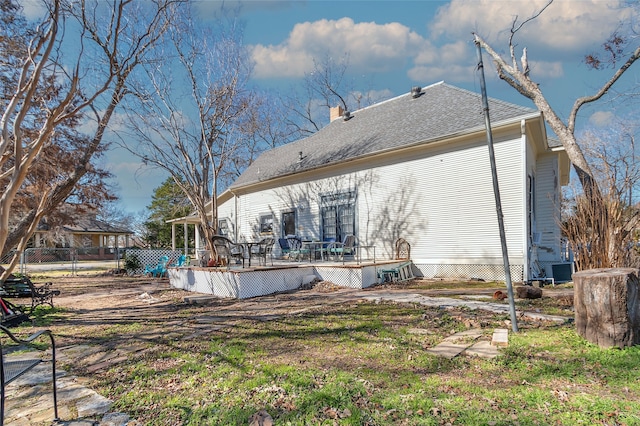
607,306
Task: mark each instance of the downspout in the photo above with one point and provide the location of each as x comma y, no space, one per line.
235,213
527,231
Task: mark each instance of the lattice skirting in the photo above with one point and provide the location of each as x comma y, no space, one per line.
238,284
151,257
242,284
470,271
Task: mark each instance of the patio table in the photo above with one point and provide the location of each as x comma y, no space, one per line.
248,245
314,247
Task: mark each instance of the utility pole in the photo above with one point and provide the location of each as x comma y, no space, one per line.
496,192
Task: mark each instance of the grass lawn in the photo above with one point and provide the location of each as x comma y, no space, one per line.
362,363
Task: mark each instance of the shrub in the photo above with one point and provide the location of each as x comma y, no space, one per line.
131,263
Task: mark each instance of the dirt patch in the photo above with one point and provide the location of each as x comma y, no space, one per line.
124,296
125,309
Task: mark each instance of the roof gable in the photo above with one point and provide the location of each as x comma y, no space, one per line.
441,110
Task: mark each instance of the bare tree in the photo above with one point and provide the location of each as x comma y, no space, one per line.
613,157
90,69
194,117
612,153
264,127
600,232
324,87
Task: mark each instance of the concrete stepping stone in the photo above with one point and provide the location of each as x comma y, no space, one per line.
455,344
482,349
500,337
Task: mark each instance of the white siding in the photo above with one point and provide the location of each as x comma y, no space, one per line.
548,208
227,211
438,197
442,202
444,205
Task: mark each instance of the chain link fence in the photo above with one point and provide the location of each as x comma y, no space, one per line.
74,260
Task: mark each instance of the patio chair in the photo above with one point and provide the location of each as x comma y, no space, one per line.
183,260
296,251
11,368
158,270
346,247
403,249
228,250
284,246
263,249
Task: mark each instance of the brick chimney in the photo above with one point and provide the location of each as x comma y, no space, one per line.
335,112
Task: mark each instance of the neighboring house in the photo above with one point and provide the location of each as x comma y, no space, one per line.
415,166
96,238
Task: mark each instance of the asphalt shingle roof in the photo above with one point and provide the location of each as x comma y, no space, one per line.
89,224
441,110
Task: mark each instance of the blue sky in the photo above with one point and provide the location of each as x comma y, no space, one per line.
394,45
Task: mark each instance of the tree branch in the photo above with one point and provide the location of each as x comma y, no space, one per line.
603,90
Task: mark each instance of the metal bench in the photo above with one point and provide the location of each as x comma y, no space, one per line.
23,287
11,369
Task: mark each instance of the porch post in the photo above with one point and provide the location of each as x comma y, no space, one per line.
197,239
186,236
173,235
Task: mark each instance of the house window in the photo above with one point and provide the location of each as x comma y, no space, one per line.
338,215
329,223
266,224
288,223
223,227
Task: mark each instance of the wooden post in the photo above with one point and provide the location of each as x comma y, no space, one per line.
607,306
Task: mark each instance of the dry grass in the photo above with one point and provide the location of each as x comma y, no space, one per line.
319,357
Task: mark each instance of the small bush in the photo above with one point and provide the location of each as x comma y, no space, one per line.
131,263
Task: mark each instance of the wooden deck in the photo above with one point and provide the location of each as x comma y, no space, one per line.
243,283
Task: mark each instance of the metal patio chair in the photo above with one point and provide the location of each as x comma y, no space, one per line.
228,250
263,249
296,251
284,246
159,270
346,247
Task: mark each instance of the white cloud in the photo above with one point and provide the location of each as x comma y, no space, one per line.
370,46
540,69
566,25
565,28
33,9
280,61
602,118
451,62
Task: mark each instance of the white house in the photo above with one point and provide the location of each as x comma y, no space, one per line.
417,167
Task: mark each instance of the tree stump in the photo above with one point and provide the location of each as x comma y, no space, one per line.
607,306
529,292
